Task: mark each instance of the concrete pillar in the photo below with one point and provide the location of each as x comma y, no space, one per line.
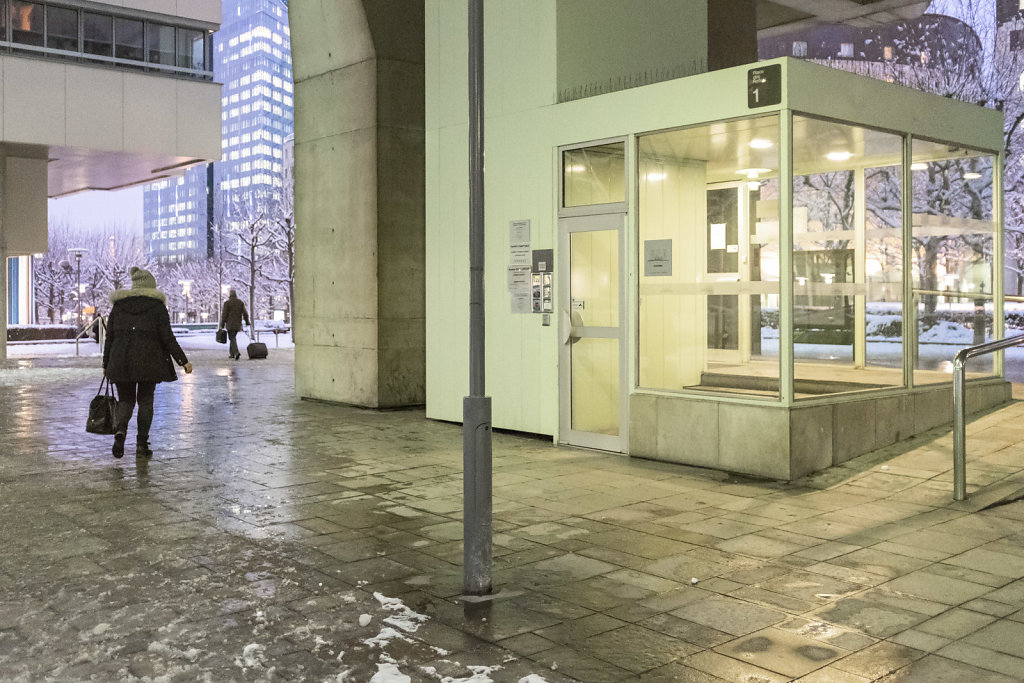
3,254
732,33
359,201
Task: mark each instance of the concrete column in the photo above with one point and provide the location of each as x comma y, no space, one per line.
732,33
359,201
3,254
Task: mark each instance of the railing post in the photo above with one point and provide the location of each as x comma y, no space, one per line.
959,429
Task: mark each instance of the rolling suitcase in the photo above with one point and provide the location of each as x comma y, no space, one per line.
255,349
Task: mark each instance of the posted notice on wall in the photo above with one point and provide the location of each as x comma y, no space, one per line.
657,257
519,264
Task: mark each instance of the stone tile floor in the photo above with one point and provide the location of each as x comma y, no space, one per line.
268,539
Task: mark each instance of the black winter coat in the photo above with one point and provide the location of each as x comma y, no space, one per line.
140,343
232,313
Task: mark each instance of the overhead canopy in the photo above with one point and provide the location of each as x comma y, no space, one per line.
775,16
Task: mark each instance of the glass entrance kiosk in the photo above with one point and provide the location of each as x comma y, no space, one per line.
805,251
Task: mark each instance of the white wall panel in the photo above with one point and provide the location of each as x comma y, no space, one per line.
92,121
34,101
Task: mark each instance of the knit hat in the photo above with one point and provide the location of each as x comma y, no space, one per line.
142,279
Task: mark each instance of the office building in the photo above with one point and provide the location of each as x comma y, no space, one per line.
252,61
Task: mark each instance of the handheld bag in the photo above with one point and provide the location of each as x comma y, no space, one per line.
101,410
222,336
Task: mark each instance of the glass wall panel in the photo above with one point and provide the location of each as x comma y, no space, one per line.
62,28
128,39
709,258
27,23
97,34
190,48
847,311
594,298
953,242
594,175
160,44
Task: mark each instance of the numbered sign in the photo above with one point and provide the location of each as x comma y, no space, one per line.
764,86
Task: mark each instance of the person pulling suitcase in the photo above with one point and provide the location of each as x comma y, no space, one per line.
232,314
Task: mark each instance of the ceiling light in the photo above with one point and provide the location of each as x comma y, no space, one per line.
919,166
838,156
753,172
972,175
655,176
761,143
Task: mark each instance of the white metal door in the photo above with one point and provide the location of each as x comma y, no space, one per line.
593,387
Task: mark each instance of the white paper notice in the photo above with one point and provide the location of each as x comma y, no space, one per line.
519,264
519,232
519,288
717,236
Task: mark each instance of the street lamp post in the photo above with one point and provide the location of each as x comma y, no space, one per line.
186,289
78,252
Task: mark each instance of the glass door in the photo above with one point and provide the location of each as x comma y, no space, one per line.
592,367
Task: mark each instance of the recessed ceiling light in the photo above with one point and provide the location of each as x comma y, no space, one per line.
753,172
838,156
761,143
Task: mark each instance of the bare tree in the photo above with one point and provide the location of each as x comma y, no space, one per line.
248,238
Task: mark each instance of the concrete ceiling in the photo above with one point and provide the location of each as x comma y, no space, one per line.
78,170
782,16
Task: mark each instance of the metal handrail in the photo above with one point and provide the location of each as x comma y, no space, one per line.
960,408
956,294
101,333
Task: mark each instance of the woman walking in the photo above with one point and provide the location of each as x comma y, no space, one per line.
137,356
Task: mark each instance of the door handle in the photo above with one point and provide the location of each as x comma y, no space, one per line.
572,324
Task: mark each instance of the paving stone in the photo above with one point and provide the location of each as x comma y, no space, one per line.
934,669
729,615
956,623
781,651
942,589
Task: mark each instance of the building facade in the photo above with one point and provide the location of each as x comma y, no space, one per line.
252,60
97,95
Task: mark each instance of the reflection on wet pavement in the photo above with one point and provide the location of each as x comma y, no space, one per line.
276,539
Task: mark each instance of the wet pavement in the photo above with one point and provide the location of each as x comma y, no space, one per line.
272,539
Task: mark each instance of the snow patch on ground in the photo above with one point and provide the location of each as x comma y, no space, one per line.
253,655
403,617
389,673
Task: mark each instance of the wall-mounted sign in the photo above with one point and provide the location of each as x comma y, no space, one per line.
543,284
764,86
657,257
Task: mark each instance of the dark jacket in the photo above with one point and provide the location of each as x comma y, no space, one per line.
233,313
140,343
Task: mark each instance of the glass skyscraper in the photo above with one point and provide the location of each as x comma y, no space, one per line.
252,59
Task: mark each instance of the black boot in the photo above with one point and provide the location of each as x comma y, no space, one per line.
142,449
118,448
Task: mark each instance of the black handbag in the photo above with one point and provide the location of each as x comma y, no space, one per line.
101,410
222,336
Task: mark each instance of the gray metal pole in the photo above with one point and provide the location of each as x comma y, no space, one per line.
959,430
476,408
